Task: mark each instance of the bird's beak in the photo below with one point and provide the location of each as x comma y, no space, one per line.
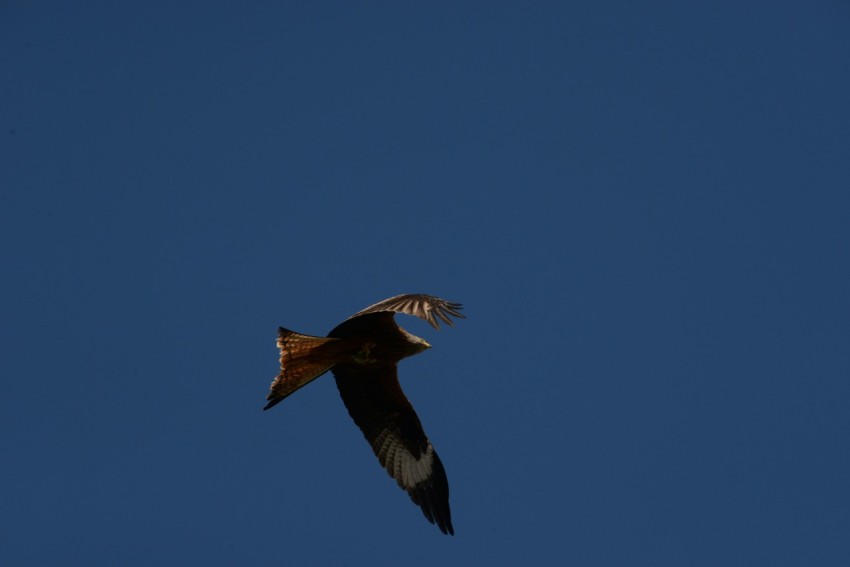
427,345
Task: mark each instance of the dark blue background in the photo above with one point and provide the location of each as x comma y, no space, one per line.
644,207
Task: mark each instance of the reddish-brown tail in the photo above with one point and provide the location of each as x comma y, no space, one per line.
302,359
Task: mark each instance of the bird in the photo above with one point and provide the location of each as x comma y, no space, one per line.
363,353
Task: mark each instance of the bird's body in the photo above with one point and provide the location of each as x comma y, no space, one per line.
363,353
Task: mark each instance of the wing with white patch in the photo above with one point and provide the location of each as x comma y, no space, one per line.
382,412
419,305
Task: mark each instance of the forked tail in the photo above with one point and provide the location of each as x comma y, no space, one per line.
302,359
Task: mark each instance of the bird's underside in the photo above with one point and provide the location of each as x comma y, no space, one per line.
363,353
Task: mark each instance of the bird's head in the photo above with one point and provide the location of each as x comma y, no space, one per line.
417,344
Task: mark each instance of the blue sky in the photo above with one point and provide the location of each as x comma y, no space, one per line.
644,208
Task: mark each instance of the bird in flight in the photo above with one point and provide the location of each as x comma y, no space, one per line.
363,353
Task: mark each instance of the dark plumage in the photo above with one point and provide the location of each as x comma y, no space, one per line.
363,353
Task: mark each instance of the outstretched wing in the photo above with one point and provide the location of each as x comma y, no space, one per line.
382,412
419,305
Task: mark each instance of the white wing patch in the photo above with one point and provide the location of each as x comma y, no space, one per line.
400,463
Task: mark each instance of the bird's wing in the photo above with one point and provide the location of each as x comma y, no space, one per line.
382,412
419,305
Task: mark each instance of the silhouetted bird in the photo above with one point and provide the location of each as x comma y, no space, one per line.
363,353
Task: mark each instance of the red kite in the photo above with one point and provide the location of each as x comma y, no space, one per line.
363,353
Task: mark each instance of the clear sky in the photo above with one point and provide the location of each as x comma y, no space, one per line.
643,206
